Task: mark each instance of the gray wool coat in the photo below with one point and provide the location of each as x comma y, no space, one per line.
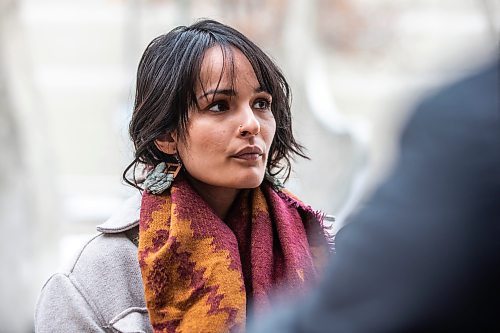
101,289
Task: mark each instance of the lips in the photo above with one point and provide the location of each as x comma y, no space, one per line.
249,153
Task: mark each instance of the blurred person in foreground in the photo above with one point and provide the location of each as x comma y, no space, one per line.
423,255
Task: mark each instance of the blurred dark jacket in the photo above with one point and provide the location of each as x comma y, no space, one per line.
423,255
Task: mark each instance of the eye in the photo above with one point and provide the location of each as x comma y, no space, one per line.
262,104
219,106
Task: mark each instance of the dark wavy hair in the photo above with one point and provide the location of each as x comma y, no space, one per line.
166,78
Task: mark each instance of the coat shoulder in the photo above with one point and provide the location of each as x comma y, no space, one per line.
103,280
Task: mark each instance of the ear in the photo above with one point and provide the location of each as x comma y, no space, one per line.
167,143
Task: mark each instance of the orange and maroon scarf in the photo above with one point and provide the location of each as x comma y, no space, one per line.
200,273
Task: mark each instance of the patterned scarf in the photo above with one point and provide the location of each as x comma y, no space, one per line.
200,273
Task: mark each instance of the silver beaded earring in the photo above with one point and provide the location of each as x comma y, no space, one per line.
275,182
162,177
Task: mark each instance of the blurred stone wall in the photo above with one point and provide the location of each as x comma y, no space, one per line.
27,212
16,248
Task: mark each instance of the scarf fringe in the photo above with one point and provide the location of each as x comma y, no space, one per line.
318,215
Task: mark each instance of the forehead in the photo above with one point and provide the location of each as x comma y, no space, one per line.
228,67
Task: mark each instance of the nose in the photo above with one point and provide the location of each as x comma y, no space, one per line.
250,125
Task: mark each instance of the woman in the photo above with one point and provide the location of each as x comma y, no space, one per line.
211,122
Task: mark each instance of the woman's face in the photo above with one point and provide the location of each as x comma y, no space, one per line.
228,138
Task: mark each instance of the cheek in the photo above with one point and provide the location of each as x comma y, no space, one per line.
268,129
202,143
209,141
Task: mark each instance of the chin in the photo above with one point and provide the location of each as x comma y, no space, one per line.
249,180
248,185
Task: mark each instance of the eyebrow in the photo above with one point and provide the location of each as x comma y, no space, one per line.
227,92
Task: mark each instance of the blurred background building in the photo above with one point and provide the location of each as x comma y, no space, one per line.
67,73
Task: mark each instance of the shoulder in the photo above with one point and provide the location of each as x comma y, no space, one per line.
108,261
473,99
100,286
104,263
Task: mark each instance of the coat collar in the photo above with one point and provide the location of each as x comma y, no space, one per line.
125,218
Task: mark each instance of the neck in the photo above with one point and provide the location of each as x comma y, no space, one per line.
219,199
